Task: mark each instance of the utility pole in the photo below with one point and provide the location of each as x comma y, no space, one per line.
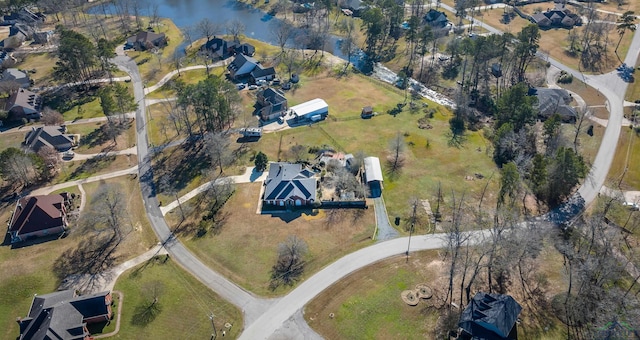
214,335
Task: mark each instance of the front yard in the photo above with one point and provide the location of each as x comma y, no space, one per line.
243,245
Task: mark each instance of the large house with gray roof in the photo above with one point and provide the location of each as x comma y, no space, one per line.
51,136
244,66
272,102
16,76
289,185
24,104
64,315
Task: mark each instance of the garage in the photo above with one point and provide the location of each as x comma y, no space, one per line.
313,110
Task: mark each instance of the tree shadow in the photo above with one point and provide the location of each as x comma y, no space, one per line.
181,164
93,257
92,165
145,313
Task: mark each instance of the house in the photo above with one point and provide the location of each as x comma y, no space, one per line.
222,49
355,7
244,66
64,315
23,31
559,16
146,40
52,136
42,37
490,316
551,101
313,110
436,19
289,185
272,102
24,104
38,216
13,75
373,175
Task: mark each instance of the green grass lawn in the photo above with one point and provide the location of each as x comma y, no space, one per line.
13,139
83,169
185,305
627,158
43,64
93,139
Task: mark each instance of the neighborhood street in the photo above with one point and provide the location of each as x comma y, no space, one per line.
263,317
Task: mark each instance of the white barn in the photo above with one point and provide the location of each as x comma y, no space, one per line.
314,110
373,175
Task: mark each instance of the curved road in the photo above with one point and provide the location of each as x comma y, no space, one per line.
251,306
264,317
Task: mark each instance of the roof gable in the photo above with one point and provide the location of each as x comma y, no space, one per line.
490,316
287,181
52,136
37,213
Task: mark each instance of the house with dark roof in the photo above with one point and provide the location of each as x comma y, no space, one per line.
39,216
289,185
490,316
355,7
559,16
220,49
244,66
24,104
64,315
146,40
14,75
272,102
51,136
436,19
552,101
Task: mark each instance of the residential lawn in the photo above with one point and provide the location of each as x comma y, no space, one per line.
633,91
188,77
627,158
160,128
29,270
429,161
257,237
185,305
612,6
367,304
13,139
89,109
86,168
94,140
43,64
590,95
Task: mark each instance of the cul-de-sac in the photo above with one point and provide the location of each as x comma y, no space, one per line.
337,169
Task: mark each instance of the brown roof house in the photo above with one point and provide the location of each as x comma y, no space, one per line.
64,315
53,136
272,102
559,16
288,185
146,40
24,104
38,216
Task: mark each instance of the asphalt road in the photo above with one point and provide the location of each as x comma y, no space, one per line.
251,306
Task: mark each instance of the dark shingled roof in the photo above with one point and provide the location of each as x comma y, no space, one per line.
37,213
289,181
490,316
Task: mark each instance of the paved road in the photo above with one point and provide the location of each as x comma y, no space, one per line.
251,306
288,305
385,230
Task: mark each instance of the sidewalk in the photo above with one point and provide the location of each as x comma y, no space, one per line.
81,157
249,176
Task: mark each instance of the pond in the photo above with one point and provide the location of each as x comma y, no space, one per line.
258,24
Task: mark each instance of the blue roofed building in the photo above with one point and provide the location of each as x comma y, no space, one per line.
289,185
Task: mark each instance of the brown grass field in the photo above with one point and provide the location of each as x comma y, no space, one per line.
244,248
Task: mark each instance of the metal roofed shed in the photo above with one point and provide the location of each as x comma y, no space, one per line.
315,110
373,175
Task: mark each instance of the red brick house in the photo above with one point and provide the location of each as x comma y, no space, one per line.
38,216
64,315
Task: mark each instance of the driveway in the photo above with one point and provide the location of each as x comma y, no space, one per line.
385,230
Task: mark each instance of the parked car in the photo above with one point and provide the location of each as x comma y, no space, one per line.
631,205
241,86
275,82
10,198
68,154
286,86
253,87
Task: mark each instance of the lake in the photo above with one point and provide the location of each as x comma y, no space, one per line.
258,24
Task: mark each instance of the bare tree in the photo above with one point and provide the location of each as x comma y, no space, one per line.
582,115
51,159
108,212
290,264
235,27
396,153
19,167
51,117
208,28
282,32
298,152
218,145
